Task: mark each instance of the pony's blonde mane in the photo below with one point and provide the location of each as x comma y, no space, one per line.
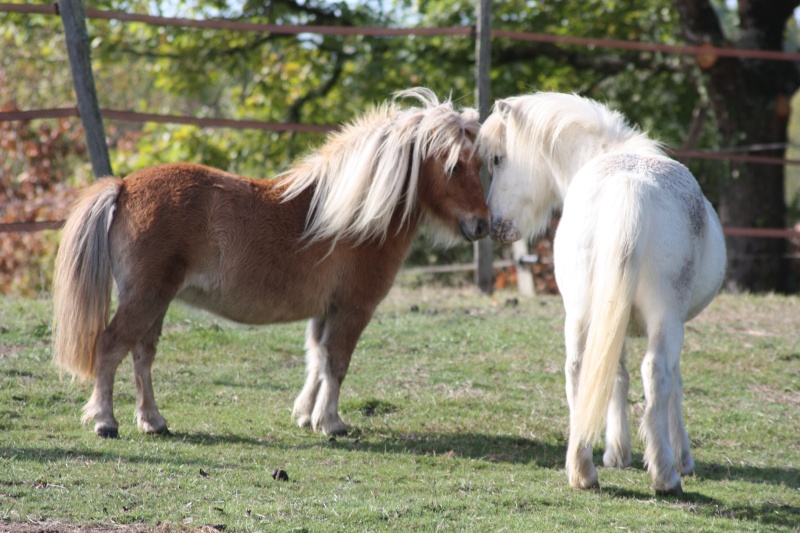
366,170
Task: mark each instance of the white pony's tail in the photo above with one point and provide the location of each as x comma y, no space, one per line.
617,259
82,281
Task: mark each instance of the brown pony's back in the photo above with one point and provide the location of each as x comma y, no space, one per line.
231,245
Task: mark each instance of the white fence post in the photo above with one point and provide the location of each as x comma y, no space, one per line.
524,274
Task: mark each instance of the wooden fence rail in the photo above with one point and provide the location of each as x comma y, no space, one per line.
73,15
289,29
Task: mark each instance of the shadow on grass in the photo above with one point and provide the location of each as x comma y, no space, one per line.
59,454
84,452
790,477
544,454
768,513
475,446
684,498
751,474
478,446
490,448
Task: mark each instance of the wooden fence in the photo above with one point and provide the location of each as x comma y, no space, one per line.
73,17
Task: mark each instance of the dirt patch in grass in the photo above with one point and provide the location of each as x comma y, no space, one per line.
772,395
58,527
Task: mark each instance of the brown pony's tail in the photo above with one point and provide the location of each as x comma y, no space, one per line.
82,281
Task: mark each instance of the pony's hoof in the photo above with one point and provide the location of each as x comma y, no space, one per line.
335,429
687,467
151,422
677,490
584,478
304,421
107,433
616,460
157,428
588,483
590,487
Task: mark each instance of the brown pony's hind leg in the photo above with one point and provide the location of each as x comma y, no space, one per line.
342,331
119,338
148,419
316,354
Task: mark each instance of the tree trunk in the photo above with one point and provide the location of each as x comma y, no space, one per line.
747,96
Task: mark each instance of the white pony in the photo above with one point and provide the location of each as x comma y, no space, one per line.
638,249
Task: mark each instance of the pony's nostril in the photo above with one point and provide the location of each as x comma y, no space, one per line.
481,228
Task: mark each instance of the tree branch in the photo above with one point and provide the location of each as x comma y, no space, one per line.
763,22
699,22
606,64
293,113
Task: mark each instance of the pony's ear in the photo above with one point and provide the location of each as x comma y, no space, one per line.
470,115
471,121
503,107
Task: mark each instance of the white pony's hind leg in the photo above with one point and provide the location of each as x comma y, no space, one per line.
618,436
580,469
663,352
575,340
316,355
677,431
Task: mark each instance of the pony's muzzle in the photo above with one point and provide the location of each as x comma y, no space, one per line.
474,227
504,230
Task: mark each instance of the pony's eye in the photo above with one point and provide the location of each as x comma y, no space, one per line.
496,160
454,169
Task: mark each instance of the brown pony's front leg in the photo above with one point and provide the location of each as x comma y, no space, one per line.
327,366
315,356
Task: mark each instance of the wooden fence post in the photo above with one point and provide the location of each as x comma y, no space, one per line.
80,65
484,250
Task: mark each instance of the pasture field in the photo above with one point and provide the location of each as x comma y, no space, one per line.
458,423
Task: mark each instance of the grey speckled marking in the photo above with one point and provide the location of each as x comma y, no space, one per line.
696,209
672,177
685,279
503,230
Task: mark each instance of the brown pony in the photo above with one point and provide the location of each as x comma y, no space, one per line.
324,241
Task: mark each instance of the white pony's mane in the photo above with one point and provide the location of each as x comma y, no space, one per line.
364,171
541,140
557,133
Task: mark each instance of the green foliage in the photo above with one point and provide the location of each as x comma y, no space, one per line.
329,79
39,165
458,422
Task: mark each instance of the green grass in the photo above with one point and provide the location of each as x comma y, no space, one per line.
458,422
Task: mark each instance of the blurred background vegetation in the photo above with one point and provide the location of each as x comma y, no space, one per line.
325,80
